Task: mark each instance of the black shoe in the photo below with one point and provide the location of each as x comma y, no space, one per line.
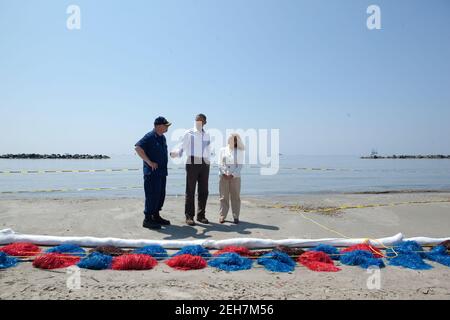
236,221
162,221
151,224
190,222
203,220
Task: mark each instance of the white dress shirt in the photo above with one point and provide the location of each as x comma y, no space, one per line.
195,143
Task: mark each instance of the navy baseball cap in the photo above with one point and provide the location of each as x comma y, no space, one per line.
162,120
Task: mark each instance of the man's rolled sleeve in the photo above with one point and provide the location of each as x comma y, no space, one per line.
144,143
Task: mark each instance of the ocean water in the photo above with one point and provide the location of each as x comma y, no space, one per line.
297,175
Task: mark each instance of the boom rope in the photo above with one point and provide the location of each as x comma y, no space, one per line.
59,171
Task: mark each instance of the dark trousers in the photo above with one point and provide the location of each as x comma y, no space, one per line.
155,194
196,173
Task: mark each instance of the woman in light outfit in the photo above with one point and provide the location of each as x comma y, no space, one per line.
230,159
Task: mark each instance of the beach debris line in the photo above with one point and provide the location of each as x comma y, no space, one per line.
336,209
53,156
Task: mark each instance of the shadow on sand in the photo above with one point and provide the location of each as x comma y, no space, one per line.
200,231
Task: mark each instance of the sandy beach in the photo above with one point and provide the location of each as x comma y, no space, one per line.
262,217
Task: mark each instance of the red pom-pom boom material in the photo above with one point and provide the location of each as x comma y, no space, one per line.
317,261
21,249
365,247
55,261
186,262
243,251
134,262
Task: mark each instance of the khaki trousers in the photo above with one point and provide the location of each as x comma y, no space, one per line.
230,189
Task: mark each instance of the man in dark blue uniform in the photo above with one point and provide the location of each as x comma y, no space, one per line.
152,148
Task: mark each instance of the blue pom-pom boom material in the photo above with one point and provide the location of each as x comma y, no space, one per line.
439,254
155,251
194,250
408,254
407,247
96,261
7,261
67,248
277,261
362,258
231,262
329,250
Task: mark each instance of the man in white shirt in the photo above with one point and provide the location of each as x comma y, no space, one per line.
196,144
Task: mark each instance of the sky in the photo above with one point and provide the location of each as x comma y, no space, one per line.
309,68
